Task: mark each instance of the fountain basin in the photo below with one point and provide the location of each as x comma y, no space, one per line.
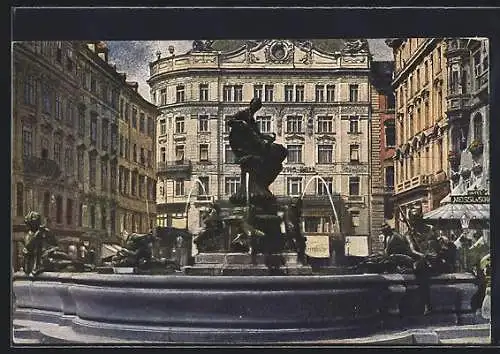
110,308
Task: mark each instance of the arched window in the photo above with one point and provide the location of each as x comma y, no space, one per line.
478,127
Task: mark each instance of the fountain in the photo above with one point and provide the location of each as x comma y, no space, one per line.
259,294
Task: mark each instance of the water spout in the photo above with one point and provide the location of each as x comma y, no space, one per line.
200,183
337,221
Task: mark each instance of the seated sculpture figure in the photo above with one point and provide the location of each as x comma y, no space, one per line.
137,251
41,251
210,238
255,152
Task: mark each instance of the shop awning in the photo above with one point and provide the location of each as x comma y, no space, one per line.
452,211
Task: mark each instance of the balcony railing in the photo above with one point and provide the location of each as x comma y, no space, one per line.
41,167
174,167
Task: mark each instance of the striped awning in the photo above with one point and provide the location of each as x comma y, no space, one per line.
453,211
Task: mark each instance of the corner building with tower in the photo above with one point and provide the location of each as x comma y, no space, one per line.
317,99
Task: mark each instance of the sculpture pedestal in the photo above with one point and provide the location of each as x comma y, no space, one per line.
241,264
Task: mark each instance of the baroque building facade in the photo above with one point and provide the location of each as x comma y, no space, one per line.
422,132
65,161
316,99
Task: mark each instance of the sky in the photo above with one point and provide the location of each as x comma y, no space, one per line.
133,57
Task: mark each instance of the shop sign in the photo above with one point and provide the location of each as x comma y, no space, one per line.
473,197
355,168
318,246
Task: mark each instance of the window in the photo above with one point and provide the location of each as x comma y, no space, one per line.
113,177
203,123
142,123
426,72
134,184
27,141
294,186
104,219
322,189
163,97
59,52
390,134
354,124
142,159
113,221
257,91
231,185
46,99
30,90
81,123
179,187
312,224
354,149
19,199
264,123
104,176
294,154
134,151
389,176
114,138
92,217
179,153
330,93
325,154
353,185
127,112
325,124
59,209
134,117
69,211
93,130
203,92
151,127
58,151
238,93
353,93
104,135
45,148
227,93
92,169
417,79
163,127
69,113
203,152
355,218
163,154
205,190
179,95
478,127
229,154
320,93
46,204
80,165
299,93
179,125
269,93
294,124
438,55
288,93
93,84
68,161
58,107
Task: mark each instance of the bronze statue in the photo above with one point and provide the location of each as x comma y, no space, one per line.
293,213
137,251
210,238
256,153
41,251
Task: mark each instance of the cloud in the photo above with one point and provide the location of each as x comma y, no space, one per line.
133,57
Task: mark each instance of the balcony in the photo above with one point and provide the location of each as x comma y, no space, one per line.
41,167
175,169
355,198
417,181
